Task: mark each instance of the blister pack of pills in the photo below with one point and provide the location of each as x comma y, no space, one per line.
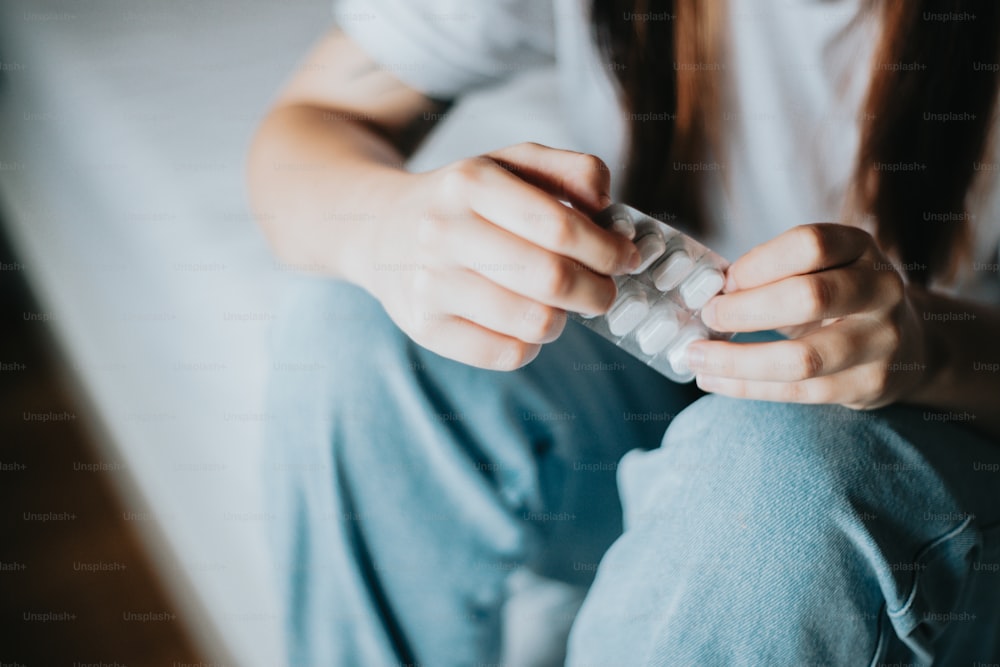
656,314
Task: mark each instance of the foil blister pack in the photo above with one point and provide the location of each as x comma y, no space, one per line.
656,315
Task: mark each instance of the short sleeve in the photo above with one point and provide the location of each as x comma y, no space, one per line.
447,47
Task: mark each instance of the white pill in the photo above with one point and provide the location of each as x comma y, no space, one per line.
629,309
701,286
650,246
622,223
668,273
677,356
659,329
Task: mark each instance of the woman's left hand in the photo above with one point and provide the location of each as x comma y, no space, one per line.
855,338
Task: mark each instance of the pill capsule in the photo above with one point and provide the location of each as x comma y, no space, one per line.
671,271
630,308
623,224
650,246
677,356
659,328
701,286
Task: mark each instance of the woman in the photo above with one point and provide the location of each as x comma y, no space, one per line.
831,500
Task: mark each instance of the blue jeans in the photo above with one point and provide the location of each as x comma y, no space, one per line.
409,487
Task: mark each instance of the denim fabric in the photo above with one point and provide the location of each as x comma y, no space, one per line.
409,487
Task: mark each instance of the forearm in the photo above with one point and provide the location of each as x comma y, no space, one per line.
317,184
962,374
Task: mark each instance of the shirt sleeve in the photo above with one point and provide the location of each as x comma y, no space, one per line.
444,48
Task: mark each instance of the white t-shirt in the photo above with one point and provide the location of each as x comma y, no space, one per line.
799,70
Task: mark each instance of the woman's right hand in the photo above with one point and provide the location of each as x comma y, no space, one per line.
479,261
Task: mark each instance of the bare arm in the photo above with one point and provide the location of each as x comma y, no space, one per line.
477,261
337,135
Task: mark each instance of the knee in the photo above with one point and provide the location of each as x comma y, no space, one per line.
782,467
764,473
808,503
819,437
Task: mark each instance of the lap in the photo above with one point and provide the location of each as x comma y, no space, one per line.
348,386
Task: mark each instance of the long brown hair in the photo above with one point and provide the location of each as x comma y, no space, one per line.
925,121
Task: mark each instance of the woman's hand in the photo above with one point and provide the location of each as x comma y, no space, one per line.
478,261
855,338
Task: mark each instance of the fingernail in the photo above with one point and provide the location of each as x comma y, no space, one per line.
695,358
708,314
623,225
604,200
730,285
707,382
631,264
634,259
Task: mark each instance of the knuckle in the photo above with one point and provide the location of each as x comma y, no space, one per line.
593,166
560,230
430,228
814,243
894,289
893,333
459,177
542,322
423,284
454,182
808,361
610,290
557,278
611,261
876,380
857,237
818,296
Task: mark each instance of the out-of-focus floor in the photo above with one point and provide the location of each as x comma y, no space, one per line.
75,585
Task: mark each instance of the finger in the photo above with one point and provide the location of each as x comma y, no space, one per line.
579,178
801,250
826,351
526,269
473,297
859,388
530,213
459,339
797,300
813,391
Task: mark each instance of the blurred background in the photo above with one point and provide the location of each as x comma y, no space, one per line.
137,294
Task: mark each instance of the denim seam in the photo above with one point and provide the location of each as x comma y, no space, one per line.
924,557
881,639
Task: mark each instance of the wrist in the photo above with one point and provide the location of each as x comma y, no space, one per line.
930,348
372,238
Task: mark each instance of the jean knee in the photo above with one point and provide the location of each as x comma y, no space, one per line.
797,472
807,495
733,452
